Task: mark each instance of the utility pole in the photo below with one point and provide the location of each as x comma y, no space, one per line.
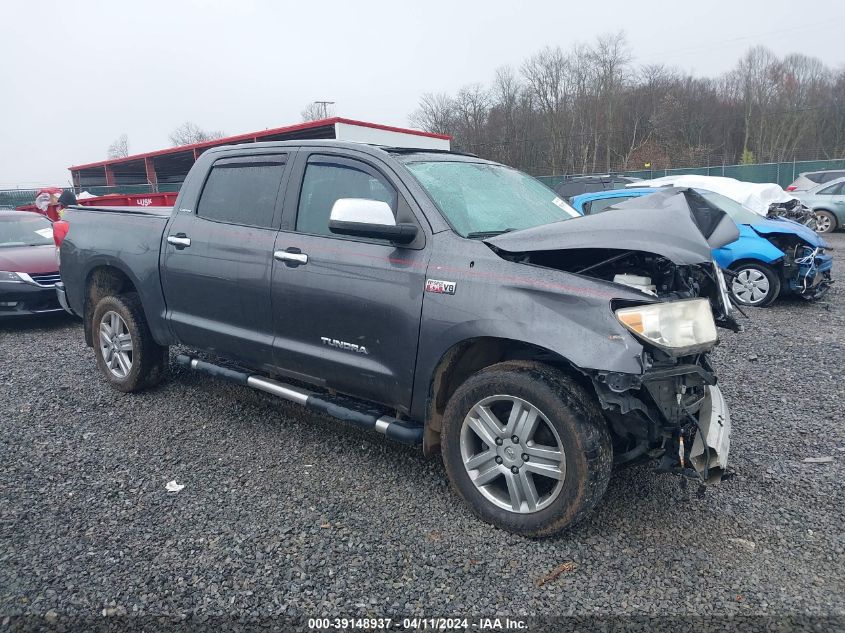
323,108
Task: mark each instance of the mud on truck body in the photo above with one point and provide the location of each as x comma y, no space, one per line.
440,299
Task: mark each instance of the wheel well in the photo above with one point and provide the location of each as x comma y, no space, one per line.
468,357
755,262
777,271
103,281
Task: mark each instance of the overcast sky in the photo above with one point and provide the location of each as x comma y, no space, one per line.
74,75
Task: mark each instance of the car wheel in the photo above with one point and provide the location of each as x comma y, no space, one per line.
754,285
127,355
825,222
526,448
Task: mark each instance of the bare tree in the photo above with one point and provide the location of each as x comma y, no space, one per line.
120,147
435,114
588,108
317,110
189,133
611,57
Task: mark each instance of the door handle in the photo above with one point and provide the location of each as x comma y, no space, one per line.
291,257
180,240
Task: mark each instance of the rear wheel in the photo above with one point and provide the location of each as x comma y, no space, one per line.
754,284
825,221
526,448
127,355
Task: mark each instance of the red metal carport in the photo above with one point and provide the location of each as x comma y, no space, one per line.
167,168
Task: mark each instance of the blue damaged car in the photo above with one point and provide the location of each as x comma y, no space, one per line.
772,256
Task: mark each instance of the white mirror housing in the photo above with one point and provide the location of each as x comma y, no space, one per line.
362,211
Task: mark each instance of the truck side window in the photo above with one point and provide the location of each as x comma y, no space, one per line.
326,180
242,191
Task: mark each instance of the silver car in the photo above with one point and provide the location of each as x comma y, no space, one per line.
827,201
810,179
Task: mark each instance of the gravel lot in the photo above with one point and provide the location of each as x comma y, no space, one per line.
286,513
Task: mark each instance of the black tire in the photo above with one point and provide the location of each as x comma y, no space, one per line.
825,227
754,269
149,360
576,418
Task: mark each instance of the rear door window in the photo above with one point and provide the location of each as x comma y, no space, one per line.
243,190
833,190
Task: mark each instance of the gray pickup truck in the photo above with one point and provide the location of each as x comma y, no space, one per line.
443,300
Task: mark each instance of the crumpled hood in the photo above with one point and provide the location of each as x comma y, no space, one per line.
773,226
662,224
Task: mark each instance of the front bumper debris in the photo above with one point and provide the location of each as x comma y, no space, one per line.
674,413
712,443
814,276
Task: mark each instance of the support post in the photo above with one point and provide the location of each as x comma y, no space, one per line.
152,178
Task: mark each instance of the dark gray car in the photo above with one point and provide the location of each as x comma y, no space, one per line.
443,300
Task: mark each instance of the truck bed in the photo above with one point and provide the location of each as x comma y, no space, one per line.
150,211
125,239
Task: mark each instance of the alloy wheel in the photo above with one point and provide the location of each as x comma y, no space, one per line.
823,223
512,454
116,344
750,286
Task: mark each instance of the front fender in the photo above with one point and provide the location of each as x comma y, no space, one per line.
750,245
568,315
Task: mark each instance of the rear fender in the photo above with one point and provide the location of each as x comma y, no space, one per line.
152,305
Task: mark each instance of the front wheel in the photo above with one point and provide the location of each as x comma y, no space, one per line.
127,355
754,284
526,448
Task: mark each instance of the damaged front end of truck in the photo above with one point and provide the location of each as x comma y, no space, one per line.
673,409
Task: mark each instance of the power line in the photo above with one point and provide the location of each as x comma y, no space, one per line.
710,44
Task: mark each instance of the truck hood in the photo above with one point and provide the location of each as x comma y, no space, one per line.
663,224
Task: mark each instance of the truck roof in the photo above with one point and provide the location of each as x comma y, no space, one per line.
430,154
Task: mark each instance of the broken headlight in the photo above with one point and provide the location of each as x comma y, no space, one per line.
676,327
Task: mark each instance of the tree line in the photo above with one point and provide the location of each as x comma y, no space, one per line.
590,109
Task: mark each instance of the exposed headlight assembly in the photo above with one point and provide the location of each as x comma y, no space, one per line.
10,278
676,327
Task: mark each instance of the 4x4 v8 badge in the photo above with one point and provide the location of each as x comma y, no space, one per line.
440,287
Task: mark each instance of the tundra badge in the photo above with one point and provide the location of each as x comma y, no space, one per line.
333,342
440,287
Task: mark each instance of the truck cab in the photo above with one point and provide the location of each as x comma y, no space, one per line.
441,299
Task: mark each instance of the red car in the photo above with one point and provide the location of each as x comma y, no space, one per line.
28,265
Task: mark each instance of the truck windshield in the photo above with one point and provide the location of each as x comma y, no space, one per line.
480,200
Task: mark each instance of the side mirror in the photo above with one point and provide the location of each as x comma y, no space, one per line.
362,217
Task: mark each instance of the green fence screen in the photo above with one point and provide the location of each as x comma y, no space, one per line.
781,173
